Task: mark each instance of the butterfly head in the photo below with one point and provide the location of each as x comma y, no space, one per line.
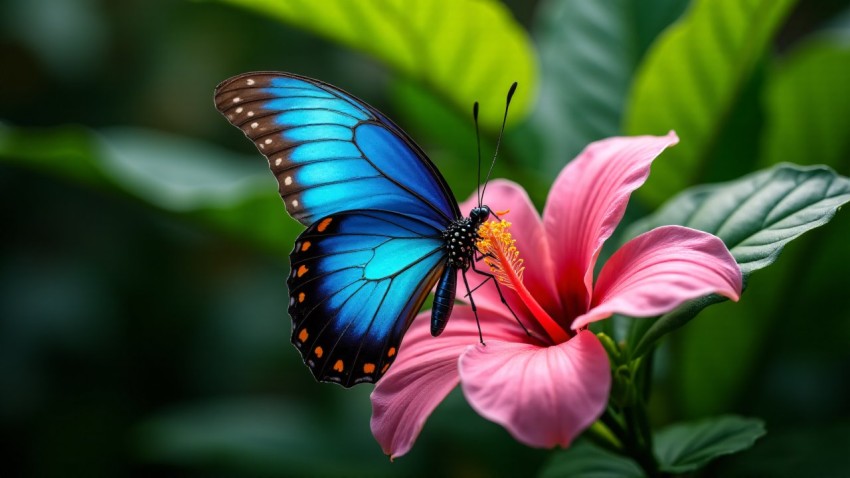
479,215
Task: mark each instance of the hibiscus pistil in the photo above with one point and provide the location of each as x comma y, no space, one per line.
502,256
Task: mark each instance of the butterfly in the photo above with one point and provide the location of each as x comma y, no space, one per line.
383,227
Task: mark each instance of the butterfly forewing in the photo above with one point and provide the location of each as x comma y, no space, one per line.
322,144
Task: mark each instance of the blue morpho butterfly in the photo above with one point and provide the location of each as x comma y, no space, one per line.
382,224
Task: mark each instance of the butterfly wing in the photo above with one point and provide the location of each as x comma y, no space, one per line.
331,152
358,279
375,208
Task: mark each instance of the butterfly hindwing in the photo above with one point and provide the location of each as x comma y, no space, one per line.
358,279
331,152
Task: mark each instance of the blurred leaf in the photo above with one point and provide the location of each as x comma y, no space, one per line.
808,106
687,447
756,216
463,50
691,80
583,460
792,452
588,54
256,436
234,194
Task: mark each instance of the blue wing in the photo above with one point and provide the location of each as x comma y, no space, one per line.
331,152
358,279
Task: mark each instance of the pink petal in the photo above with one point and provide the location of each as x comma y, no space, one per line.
543,396
587,202
527,230
425,371
659,270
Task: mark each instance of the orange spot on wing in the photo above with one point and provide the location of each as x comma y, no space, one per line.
318,351
324,224
302,336
384,369
391,352
338,366
301,297
368,367
305,246
302,270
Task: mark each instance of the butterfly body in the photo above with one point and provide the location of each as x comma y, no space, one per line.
382,224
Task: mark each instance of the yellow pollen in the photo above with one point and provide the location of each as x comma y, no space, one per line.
500,247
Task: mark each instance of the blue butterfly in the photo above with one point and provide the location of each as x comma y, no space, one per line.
382,224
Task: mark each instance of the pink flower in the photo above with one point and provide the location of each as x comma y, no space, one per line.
546,389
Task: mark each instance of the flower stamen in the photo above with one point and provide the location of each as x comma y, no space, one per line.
502,256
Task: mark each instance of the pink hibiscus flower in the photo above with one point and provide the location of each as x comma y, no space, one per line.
547,388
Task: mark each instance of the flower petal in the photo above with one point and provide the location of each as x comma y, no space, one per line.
425,371
657,271
587,202
527,230
544,396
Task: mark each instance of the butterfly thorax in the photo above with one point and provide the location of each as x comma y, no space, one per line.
461,235
460,238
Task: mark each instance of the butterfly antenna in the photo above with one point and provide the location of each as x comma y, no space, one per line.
499,141
478,142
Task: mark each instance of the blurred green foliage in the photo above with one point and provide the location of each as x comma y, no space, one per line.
143,326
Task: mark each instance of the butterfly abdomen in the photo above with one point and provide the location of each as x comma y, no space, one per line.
444,300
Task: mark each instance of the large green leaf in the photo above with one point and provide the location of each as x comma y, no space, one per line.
229,192
584,460
808,108
463,50
687,447
588,54
756,216
691,81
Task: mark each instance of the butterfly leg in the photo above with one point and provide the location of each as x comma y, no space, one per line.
501,296
472,304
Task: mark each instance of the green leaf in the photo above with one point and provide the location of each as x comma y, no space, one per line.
691,80
588,54
810,83
232,193
462,50
687,447
759,213
584,460
756,216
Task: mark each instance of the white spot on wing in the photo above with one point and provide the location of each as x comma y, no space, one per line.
237,99
294,203
239,110
255,124
268,141
250,114
288,180
250,81
278,161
